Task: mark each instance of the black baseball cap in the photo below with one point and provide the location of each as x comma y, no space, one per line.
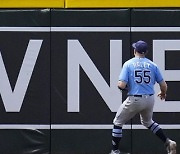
140,46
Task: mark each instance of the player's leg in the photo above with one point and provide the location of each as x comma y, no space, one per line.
156,129
126,111
146,120
117,130
116,137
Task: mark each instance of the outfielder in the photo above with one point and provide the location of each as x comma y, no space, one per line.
138,76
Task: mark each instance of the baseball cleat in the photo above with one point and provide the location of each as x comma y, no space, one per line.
115,152
170,146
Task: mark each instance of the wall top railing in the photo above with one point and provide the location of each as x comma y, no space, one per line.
32,3
89,3
121,3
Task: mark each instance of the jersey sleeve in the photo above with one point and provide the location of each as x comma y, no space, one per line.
159,77
124,73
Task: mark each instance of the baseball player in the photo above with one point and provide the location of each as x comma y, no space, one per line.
138,76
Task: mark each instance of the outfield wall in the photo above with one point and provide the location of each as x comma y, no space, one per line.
59,70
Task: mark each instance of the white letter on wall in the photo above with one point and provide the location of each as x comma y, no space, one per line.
77,57
13,99
159,48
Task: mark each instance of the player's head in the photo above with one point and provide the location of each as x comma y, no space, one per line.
140,46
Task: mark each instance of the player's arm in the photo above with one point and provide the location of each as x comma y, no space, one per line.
163,90
162,84
123,77
122,85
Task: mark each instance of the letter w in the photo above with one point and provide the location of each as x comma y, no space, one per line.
13,99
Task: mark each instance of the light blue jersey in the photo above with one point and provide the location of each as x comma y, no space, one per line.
140,74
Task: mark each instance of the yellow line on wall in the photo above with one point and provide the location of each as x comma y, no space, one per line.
32,3
88,3
121,3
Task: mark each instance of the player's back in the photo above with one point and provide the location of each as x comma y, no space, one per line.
142,75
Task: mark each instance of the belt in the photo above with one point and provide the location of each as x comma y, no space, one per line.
141,95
